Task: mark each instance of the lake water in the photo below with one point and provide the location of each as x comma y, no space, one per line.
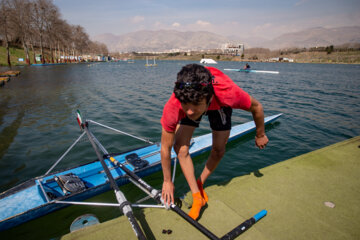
320,103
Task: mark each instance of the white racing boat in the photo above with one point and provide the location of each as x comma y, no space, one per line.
251,71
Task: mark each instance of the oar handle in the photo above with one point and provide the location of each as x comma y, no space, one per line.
260,215
244,226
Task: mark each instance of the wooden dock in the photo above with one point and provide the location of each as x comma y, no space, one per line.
10,74
5,76
4,80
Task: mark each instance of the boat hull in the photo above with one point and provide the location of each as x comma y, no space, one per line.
251,71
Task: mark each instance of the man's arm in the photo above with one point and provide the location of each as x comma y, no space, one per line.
258,115
167,141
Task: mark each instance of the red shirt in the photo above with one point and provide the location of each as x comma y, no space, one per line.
227,94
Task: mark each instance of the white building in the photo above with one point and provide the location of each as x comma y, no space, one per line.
236,49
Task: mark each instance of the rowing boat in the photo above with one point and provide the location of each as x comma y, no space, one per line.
47,193
251,71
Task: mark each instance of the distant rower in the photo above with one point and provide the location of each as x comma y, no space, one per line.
247,66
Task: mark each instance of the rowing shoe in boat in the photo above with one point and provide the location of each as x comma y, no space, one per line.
54,190
251,71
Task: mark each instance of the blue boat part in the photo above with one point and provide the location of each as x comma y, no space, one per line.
47,64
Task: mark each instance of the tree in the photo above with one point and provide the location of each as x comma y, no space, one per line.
5,26
52,19
80,38
38,24
43,10
329,49
21,13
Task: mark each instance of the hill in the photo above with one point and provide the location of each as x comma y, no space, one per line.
162,40
165,40
315,37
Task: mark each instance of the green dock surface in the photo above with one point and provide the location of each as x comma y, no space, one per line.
294,193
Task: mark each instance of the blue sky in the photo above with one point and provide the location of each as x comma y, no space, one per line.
245,18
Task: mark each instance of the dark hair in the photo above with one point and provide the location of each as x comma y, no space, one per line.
194,83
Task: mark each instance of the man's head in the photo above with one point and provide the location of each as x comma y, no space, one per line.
194,89
194,83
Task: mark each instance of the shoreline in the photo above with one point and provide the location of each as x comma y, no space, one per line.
336,57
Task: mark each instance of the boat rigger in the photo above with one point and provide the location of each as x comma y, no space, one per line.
52,191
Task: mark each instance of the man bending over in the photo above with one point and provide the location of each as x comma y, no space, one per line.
202,91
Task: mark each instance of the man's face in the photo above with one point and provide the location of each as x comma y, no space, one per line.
194,111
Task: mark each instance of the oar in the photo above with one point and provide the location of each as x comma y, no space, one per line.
155,194
125,206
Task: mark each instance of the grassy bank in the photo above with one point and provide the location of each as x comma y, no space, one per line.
15,54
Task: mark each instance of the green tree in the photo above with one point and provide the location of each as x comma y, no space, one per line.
329,49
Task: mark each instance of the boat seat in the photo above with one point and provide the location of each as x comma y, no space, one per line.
52,194
70,183
134,160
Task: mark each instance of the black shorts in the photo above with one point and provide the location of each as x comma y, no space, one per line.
220,120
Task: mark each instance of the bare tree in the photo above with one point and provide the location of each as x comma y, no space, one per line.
97,48
22,23
80,40
42,10
64,38
5,26
51,23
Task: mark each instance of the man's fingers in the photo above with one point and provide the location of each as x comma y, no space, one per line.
167,198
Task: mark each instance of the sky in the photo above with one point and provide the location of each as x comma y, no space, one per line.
246,18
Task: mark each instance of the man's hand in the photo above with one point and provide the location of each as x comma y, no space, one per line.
261,142
167,193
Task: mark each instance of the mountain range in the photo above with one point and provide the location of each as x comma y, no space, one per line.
166,40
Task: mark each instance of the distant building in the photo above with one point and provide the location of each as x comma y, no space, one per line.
236,49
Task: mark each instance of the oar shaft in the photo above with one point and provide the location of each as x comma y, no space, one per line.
133,177
124,205
197,225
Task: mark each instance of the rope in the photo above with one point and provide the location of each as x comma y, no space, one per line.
142,139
